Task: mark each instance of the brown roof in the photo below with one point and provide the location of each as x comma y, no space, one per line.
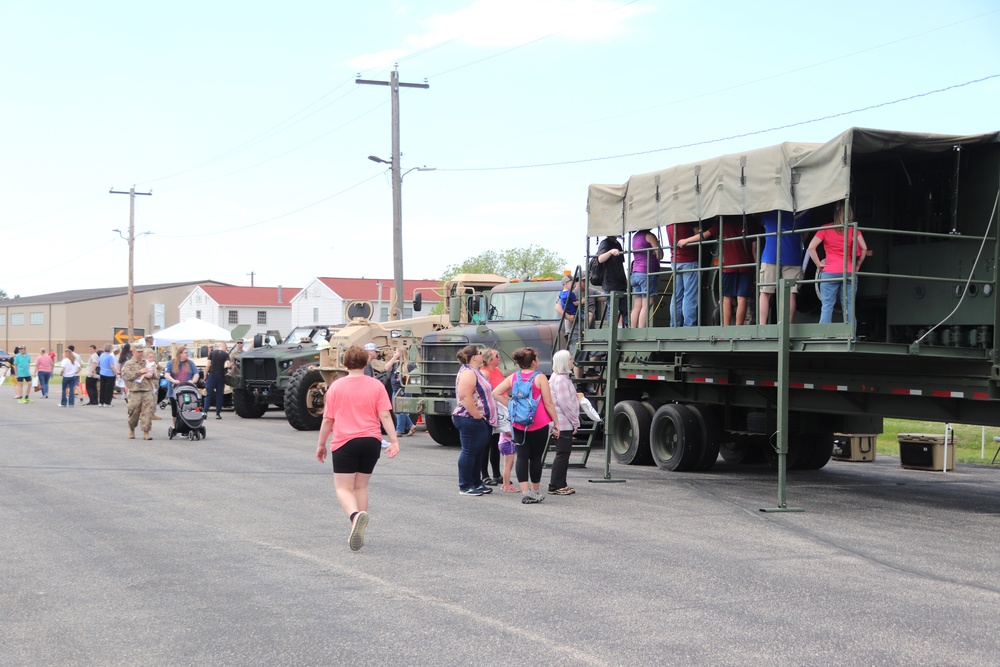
367,288
227,295
73,296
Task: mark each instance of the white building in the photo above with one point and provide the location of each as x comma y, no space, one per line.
262,308
327,300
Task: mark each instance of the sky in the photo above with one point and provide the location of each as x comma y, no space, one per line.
245,121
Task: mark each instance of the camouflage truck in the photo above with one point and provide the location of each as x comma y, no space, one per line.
304,396
516,314
263,373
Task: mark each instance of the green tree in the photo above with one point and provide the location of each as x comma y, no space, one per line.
532,261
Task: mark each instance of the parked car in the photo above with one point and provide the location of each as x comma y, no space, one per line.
5,358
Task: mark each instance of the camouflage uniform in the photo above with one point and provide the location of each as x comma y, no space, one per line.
142,395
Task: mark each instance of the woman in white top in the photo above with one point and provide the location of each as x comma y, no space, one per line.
70,376
567,405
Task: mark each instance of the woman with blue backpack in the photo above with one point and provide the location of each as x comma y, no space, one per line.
532,413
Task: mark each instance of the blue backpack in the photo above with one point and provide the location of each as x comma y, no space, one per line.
522,407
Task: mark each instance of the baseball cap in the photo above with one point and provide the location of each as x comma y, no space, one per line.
371,347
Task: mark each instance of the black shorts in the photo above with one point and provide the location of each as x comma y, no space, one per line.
24,378
357,455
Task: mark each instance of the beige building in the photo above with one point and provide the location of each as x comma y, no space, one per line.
90,316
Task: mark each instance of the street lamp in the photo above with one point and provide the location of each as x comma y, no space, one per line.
396,310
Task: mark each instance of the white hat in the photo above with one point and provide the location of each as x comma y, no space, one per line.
371,347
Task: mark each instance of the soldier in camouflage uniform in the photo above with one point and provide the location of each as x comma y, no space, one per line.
141,375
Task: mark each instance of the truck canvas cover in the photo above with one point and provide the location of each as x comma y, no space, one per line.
790,176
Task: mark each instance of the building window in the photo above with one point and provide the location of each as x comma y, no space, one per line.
3,319
36,318
261,317
197,314
234,317
315,315
16,319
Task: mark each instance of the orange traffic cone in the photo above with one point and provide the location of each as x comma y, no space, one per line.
82,386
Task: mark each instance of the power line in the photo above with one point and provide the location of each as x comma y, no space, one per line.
720,139
272,219
262,136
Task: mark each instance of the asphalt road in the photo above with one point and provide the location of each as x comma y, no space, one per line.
233,551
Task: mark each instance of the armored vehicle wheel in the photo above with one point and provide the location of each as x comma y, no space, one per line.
674,438
304,399
818,453
710,422
442,430
630,433
245,406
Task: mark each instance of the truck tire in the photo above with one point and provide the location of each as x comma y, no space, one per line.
630,433
794,449
674,438
818,453
304,399
442,430
245,406
710,422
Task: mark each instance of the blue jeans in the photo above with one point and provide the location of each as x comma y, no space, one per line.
685,285
215,388
43,382
69,389
643,284
475,437
828,293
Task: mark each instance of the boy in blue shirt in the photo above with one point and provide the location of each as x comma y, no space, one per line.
22,366
568,303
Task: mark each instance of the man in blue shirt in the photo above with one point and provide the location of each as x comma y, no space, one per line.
22,368
107,370
790,259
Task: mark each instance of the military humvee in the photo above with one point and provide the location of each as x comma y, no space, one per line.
516,314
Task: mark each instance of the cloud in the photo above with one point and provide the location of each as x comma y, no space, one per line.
492,24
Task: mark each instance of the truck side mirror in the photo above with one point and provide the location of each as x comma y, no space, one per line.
258,340
455,310
418,301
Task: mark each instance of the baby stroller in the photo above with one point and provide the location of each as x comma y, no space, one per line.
190,417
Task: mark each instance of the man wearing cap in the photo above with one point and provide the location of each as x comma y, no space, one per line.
372,351
234,356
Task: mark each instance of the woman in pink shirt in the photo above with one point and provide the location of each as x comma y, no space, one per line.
835,265
355,407
43,366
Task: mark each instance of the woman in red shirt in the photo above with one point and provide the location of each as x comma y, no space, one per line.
355,407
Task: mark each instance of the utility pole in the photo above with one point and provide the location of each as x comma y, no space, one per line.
396,310
131,253
251,274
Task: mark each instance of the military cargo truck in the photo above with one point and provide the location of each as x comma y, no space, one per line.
923,341
263,373
304,396
516,314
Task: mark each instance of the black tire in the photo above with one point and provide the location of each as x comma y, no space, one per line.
304,399
246,407
630,433
202,432
710,421
442,430
171,432
794,449
674,438
818,453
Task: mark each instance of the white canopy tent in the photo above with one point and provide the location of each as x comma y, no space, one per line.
189,331
790,177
